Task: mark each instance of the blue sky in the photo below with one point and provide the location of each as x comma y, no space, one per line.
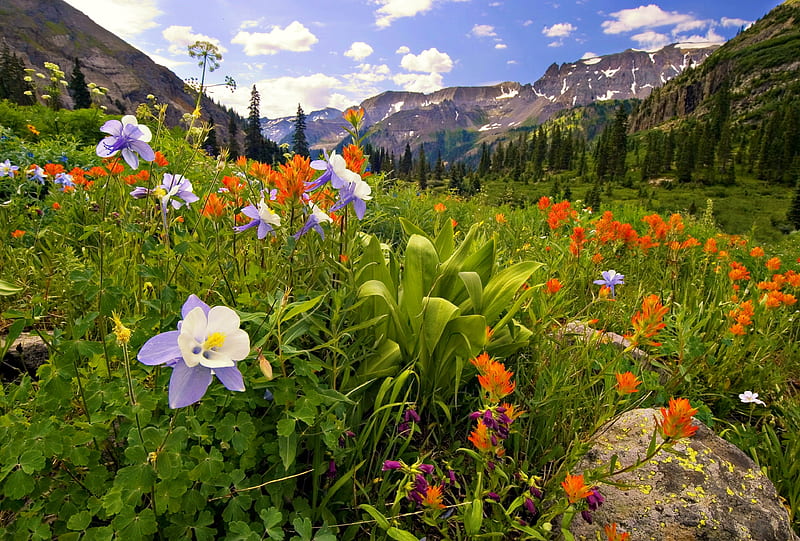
322,53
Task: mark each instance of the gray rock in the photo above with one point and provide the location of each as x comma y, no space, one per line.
26,355
709,490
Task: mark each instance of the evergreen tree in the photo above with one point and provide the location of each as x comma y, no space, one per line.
618,144
485,163
78,88
299,141
406,163
438,169
233,129
211,146
12,79
422,169
254,140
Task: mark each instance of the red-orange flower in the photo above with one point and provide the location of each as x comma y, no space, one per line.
97,172
52,169
482,362
649,321
160,160
353,116
292,178
479,437
439,207
757,252
544,203
214,207
497,381
113,166
56,205
773,263
553,286
500,218
738,329
433,497
354,159
262,171
627,383
710,246
676,421
613,535
560,213
453,223
738,272
17,233
577,240
575,488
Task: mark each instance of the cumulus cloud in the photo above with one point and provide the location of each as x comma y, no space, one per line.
180,37
359,50
500,46
125,18
390,10
588,54
403,50
249,24
559,30
295,37
651,40
727,21
430,60
511,62
650,16
415,82
528,22
482,31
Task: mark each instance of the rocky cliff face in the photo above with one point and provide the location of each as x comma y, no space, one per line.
54,31
397,118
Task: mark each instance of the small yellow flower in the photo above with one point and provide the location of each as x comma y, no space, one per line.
122,332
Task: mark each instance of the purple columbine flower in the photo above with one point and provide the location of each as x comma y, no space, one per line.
35,173
411,415
315,219
8,170
208,342
336,172
261,216
126,136
175,190
65,180
529,506
610,279
426,468
140,192
356,192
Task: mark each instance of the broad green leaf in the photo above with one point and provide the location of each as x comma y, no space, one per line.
504,286
300,307
8,289
436,314
286,427
401,535
377,515
79,521
444,242
411,228
472,282
473,519
287,449
419,273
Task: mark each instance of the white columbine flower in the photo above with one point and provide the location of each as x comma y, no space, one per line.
749,397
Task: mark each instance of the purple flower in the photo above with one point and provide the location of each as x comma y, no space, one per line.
140,192
126,136
610,279
336,172
356,192
331,469
595,499
314,221
34,173
175,190
493,496
65,180
208,342
261,216
529,506
426,468
7,170
392,465
411,415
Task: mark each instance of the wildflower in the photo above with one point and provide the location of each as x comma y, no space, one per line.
611,279
292,178
65,181
749,397
126,136
676,421
336,172
597,258
160,160
208,342
355,160
56,205
393,465
710,246
214,207
356,192
559,214
627,383
500,218
479,437
544,203
8,170
757,252
453,223
315,219
261,216
577,240
439,207
595,499
738,329
497,381
482,362
17,233
648,322
773,264
433,497
738,272
122,332
36,173
553,286
530,507
575,488
31,128
354,116
613,535
175,189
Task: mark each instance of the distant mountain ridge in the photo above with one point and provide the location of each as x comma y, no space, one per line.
395,118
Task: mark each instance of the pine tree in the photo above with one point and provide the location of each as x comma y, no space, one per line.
794,208
78,88
299,141
438,169
422,169
485,163
12,79
406,163
211,146
233,129
254,140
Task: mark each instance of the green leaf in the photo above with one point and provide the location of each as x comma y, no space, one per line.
240,531
18,485
286,427
79,521
31,461
8,289
504,286
303,527
436,314
382,521
472,281
287,449
445,244
300,307
474,517
401,535
420,269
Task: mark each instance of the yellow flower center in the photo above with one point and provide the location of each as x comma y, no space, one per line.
214,340
160,192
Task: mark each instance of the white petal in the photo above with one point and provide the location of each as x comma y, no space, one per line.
223,320
195,324
129,119
236,346
147,135
216,359
188,345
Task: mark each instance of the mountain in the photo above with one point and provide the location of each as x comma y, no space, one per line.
54,31
757,68
453,119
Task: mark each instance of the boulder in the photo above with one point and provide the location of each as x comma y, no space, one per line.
707,489
26,354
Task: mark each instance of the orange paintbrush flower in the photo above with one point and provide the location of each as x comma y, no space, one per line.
649,321
354,159
627,383
553,286
500,218
17,233
773,263
497,382
575,488
214,207
354,116
292,178
676,421
439,207
738,272
613,535
160,160
433,497
482,362
757,252
479,437
544,203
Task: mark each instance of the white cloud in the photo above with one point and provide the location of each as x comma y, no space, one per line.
403,50
429,60
369,73
528,22
495,4
295,37
650,16
500,46
249,24
415,82
651,40
711,36
359,50
726,21
180,37
557,43
559,30
690,25
511,62
168,62
390,10
482,31
588,54
125,18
